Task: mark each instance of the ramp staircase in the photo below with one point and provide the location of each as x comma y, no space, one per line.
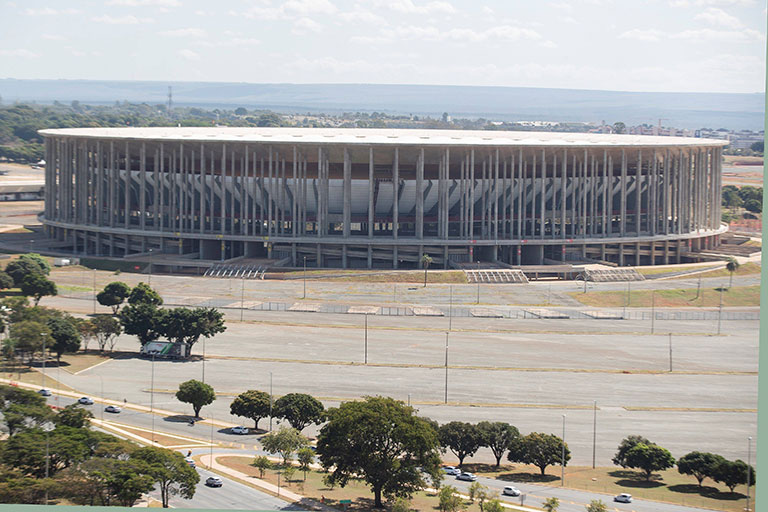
613,275
237,271
495,276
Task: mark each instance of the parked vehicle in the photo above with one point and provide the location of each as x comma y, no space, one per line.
469,477
85,401
44,392
214,481
239,430
511,491
623,498
451,470
113,409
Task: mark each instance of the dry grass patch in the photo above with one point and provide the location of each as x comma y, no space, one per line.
738,296
655,271
21,373
80,361
747,269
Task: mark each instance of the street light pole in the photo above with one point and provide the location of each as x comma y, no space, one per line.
43,335
749,468
720,310
305,278
242,298
670,352
653,310
210,465
366,338
271,401
102,398
450,306
562,457
94,291
203,360
150,268
594,433
446,367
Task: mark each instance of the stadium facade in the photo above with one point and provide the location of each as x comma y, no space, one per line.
358,198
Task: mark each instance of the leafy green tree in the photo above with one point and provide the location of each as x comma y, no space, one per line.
73,416
492,505
730,196
305,456
6,281
497,436
400,505
551,504
66,338
629,442
15,308
596,506
288,473
753,205
169,471
474,489
251,404
182,325
539,449
142,293
105,329
732,473
285,441
299,410
113,295
85,328
28,337
196,393
145,321
262,463
619,127
426,260
25,265
463,439
649,458
448,499
20,417
748,192
732,266
699,464
381,442
37,286
758,147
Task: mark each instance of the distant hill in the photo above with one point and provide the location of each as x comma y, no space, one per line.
681,110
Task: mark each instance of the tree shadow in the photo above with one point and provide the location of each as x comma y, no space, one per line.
181,418
640,484
527,477
707,492
482,468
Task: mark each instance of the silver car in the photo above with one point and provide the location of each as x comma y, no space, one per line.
510,491
469,477
85,401
214,481
451,470
623,498
113,409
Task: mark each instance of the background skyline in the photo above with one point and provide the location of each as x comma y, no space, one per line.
649,45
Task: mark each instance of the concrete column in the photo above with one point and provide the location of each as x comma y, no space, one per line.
344,256
472,194
504,203
462,202
395,194
623,198
621,255
563,193
520,189
283,184
496,197
143,185
127,187
484,201
420,195
638,191
347,198
394,257
604,207
370,256
543,194
371,205
446,193
534,183
271,191
637,254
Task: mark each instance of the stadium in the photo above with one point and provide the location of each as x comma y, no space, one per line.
360,198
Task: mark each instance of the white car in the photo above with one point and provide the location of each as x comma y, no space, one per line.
214,481
510,491
190,461
44,392
469,477
239,430
85,401
623,498
451,470
112,408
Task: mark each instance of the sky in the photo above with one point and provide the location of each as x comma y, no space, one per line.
626,45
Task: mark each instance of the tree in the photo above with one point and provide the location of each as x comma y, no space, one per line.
758,147
748,192
28,338
73,416
448,499
541,450
182,325
305,456
629,442
66,338
596,506
699,464
649,458
401,505
142,293
20,417
288,472
463,439
619,127
753,205
113,295
732,266
497,436
37,286
145,321
492,505
6,281
25,265
85,327
733,473
251,404
196,393
106,329
285,441
474,489
169,471
381,442
426,259
299,410
730,197
262,463
551,504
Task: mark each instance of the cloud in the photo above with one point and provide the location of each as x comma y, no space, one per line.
432,33
121,20
189,54
47,11
234,41
288,10
362,16
185,32
718,17
141,3
306,7
19,52
708,34
304,25
53,37
642,35
704,3
409,7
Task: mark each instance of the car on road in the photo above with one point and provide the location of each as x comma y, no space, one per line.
510,491
214,481
85,401
112,408
451,470
469,477
190,461
44,392
239,430
623,498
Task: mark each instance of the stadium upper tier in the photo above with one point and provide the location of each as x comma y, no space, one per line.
382,198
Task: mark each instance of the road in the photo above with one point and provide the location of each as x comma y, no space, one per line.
237,495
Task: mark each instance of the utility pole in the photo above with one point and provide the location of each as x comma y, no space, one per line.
366,338
242,298
749,468
446,367
152,399
653,309
450,307
305,278
720,310
594,432
562,457
271,401
94,291
670,352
